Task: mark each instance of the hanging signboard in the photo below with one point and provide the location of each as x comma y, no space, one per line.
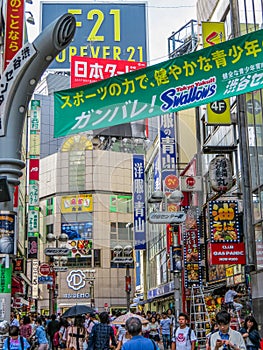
220,173
184,82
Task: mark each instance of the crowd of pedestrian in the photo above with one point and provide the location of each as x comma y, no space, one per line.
150,331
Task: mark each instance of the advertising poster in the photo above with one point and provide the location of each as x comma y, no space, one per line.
7,233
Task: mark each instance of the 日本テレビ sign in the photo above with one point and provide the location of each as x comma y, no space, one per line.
228,69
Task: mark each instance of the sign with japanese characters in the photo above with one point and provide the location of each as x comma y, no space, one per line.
103,30
167,151
87,70
78,203
217,72
224,223
14,29
5,279
139,214
220,173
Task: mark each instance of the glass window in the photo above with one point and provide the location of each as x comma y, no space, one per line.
50,206
80,262
49,229
97,257
77,171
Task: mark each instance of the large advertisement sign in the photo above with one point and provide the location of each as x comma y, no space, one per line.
86,70
7,232
76,204
116,31
215,73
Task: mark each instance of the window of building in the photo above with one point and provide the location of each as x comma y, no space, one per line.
120,204
50,206
86,261
77,170
121,231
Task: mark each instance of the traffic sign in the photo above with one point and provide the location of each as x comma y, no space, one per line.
60,268
56,251
44,269
122,260
167,217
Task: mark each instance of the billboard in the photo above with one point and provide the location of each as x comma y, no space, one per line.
116,31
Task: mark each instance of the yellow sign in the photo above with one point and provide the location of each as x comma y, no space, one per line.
77,204
218,112
35,143
229,272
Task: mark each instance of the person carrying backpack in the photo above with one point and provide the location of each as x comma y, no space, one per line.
184,337
15,341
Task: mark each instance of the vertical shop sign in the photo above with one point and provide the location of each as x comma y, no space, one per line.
33,221
5,279
218,112
8,232
33,195
34,169
34,279
224,222
14,29
139,215
168,155
32,247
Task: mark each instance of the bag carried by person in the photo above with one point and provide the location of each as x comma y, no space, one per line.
56,339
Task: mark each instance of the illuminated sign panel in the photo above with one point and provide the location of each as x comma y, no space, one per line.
116,31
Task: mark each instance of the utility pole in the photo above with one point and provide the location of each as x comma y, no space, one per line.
249,233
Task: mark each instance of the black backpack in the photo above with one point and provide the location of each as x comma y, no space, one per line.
21,342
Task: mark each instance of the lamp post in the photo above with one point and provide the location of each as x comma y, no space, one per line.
175,197
55,262
123,255
91,280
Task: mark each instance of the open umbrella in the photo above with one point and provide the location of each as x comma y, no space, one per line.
123,318
77,310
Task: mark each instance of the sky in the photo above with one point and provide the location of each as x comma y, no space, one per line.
164,18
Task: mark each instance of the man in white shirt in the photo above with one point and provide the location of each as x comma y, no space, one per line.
184,337
226,338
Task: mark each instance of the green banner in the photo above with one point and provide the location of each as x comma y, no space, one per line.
5,279
231,68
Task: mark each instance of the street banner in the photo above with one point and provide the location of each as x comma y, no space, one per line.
220,71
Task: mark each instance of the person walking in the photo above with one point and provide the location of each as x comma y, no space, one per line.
165,330
52,328
40,335
250,333
137,342
76,334
13,320
184,337
102,334
154,329
25,328
226,337
15,341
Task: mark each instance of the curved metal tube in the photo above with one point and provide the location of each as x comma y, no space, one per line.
54,38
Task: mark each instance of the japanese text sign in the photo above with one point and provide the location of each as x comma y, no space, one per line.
224,223
14,29
139,214
220,173
86,70
228,69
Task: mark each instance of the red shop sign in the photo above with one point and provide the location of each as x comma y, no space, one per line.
227,253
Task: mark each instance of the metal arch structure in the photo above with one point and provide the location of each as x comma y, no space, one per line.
54,38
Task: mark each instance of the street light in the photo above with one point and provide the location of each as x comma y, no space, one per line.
91,280
175,197
123,255
58,263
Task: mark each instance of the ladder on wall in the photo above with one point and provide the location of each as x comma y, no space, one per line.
199,316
